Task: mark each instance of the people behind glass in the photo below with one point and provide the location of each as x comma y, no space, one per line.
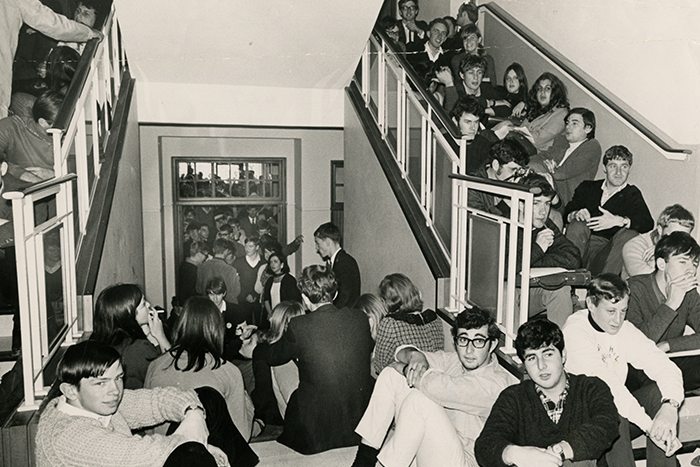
281,286
124,320
53,277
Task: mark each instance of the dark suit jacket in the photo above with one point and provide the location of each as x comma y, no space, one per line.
347,274
233,316
402,33
581,165
332,348
627,203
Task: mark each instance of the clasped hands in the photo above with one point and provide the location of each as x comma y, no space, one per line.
605,221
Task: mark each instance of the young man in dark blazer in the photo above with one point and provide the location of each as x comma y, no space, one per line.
604,214
332,348
347,274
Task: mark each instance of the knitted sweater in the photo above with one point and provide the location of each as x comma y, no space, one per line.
627,202
649,312
593,352
64,440
589,422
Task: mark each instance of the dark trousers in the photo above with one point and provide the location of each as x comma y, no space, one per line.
620,454
222,433
599,254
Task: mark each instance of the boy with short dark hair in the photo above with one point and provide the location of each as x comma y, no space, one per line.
664,302
581,420
91,423
602,343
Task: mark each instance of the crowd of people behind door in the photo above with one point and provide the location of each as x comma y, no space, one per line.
247,344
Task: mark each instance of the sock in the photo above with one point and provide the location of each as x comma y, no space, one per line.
366,456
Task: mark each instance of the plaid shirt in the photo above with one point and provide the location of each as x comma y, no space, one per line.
553,409
393,333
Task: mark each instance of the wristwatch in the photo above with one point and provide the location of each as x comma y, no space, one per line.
559,450
671,402
196,407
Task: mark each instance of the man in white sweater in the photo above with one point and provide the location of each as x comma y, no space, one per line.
601,343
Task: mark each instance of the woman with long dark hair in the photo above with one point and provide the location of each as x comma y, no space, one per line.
126,321
547,107
406,322
280,286
196,359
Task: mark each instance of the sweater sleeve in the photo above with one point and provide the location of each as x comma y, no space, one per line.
544,132
645,312
633,256
589,440
499,431
638,212
149,407
44,20
562,253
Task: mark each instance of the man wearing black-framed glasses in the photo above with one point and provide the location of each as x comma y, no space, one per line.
440,400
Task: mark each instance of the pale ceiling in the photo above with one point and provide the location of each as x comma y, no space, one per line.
278,43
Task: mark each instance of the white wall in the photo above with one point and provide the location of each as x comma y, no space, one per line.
646,52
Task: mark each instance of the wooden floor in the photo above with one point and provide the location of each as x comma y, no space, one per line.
274,454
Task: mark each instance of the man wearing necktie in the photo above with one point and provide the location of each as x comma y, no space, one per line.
328,245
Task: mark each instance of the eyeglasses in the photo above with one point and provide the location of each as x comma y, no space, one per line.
477,342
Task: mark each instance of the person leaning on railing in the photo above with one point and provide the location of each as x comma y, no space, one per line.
14,13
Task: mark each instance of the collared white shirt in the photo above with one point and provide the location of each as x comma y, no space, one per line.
572,148
607,193
332,260
74,411
433,56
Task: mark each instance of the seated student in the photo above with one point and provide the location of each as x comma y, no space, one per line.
60,68
581,420
28,148
91,13
468,113
218,267
431,50
550,248
91,422
391,27
468,13
275,385
196,359
125,320
471,42
411,30
604,214
638,253
508,161
472,69
514,92
332,348
664,302
406,323
573,157
454,40
547,106
601,343
439,400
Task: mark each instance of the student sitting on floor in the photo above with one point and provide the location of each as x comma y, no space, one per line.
91,423
440,400
581,419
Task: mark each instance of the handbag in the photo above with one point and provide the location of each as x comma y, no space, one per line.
573,278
